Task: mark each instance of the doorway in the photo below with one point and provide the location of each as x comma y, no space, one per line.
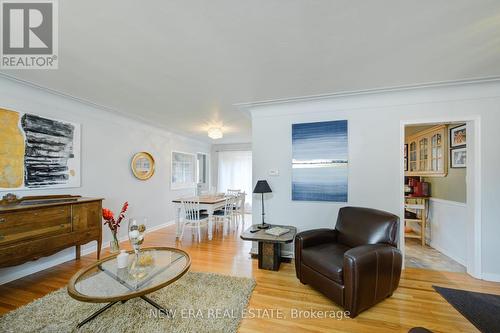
439,201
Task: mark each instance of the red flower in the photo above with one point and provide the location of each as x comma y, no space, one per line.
109,217
107,214
125,207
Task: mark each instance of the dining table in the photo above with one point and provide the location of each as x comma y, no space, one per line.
210,203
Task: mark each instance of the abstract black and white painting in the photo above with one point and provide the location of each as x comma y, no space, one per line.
46,154
320,161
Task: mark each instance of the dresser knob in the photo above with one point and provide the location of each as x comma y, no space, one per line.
2,237
2,219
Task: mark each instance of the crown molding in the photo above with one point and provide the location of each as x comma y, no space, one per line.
102,107
246,106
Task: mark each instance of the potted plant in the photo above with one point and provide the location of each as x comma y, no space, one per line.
114,225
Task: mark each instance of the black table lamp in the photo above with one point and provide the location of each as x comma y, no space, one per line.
262,187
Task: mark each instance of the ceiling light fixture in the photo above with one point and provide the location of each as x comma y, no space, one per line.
215,133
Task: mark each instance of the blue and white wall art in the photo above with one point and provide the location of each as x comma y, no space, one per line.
320,161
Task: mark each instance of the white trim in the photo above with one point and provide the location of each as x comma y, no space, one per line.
473,180
491,277
448,202
17,274
101,107
307,98
390,99
11,276
446,253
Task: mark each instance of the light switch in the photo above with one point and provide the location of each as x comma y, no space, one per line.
274,172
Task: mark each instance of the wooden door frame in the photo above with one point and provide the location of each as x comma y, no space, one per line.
473,181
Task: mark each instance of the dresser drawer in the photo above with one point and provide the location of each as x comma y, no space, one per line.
19,226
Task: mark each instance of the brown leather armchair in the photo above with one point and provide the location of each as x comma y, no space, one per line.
357,264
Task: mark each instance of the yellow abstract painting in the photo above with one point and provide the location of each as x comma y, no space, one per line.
11,150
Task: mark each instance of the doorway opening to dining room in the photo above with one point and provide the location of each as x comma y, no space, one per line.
440,162
233,170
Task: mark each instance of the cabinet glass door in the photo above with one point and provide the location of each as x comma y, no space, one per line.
437,152
423,154
412,154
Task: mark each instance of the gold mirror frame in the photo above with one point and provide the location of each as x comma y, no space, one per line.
141,175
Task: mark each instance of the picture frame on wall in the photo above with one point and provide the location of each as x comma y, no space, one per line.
143,165
183,170
458,158
458,136
320,161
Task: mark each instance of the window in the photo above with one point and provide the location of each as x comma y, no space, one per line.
202,168
183,170
235,173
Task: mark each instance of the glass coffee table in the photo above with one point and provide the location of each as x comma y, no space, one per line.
104,282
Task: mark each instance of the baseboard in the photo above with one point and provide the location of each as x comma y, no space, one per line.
57,260
35,267
491,277
460,261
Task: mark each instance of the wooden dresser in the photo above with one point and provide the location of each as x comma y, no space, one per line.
35,227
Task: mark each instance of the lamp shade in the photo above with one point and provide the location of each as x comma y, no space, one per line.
262,187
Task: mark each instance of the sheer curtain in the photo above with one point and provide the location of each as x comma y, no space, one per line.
235,173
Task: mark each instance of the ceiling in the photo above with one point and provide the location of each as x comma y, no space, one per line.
184,64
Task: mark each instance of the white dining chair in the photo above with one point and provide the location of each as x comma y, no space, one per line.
226,214
233,192
238,207
193,217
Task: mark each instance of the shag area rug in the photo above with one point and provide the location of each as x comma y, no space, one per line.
197,302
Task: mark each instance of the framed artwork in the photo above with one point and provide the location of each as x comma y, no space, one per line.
458,136
143,165
458,157
320,161
183,170
406,157
38,152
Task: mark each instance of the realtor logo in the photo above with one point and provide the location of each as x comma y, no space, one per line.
29,34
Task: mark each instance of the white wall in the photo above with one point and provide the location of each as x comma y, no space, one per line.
448,227
375,121
108,144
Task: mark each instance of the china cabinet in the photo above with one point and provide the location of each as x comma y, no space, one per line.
427,153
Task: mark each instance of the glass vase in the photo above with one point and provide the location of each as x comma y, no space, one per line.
114,245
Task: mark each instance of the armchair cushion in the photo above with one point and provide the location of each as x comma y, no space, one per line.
327,259
359,226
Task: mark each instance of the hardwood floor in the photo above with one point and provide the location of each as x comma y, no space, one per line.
415,303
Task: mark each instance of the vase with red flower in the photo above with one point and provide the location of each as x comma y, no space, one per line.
114,225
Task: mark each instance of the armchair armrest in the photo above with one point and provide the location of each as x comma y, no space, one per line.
371,274
309,238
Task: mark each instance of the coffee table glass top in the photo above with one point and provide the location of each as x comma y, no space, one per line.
105,282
